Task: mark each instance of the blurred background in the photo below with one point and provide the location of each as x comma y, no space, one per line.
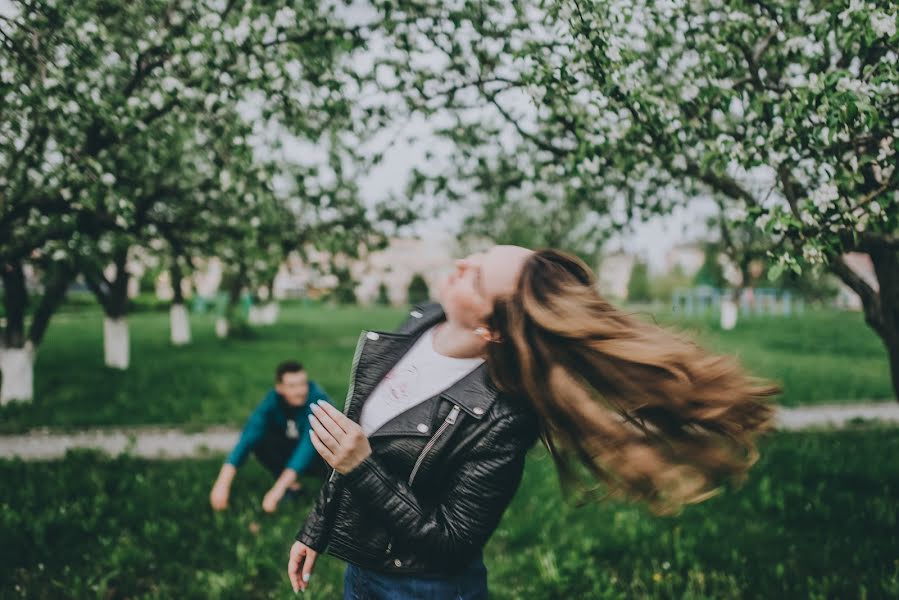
194,191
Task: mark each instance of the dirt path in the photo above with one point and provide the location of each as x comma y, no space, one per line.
166,443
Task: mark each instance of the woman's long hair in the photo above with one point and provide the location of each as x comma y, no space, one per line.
647,412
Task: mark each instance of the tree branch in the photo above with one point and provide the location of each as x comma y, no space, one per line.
870,298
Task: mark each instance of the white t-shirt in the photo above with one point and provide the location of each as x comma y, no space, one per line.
420,374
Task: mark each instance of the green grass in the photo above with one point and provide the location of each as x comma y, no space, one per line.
820,357
816,519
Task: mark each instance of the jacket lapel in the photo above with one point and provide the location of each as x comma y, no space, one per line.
381,351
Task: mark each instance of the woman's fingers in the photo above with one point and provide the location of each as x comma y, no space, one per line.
322,449
339,418
293,565
325,436
327,420
308,565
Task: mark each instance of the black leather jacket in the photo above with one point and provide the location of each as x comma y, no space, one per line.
440,474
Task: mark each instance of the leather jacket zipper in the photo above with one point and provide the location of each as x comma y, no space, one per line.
349,395
450,419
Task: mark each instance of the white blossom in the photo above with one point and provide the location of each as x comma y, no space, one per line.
156,99
883,25
170,84
812,254
824,197
285,18
854,7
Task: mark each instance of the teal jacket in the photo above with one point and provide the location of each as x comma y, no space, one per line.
269,418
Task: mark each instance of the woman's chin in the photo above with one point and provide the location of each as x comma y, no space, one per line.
440,292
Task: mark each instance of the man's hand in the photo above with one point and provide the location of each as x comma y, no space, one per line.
340,441
300,565
218,497
271,499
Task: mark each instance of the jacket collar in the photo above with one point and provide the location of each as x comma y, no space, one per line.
474,393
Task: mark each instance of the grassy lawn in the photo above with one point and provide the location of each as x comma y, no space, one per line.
816,519
820,357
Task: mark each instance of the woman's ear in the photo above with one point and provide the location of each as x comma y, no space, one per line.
487,335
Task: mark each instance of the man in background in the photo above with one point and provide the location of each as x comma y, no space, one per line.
277,433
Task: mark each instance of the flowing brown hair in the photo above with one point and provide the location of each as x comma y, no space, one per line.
648,412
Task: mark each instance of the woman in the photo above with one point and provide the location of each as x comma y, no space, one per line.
424,466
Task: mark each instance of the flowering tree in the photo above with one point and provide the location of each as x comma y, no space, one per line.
787,113
97,98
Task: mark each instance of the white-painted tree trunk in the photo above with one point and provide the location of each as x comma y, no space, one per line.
180,325
264,314
115,342
729,311
221,327
17,368
270,313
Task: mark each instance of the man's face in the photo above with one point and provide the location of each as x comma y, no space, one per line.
294,387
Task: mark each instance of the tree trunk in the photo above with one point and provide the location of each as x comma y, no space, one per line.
17,370
729,312
18,351
178,317
886,267
57,280
116,344
221,327
113,296
15,302
16,355
232,319
271,310
881,307
180,325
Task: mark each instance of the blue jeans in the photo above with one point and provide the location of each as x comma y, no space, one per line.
364,584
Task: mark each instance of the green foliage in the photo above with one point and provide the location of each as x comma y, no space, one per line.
638,289
383,298
345,292
664,285
816,519
418,290
814,285
710,273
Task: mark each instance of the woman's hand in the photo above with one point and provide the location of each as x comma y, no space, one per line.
300,565
340,441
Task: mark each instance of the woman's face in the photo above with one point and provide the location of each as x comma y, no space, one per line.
468,293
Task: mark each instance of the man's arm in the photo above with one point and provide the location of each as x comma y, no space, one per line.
274,495
251,434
